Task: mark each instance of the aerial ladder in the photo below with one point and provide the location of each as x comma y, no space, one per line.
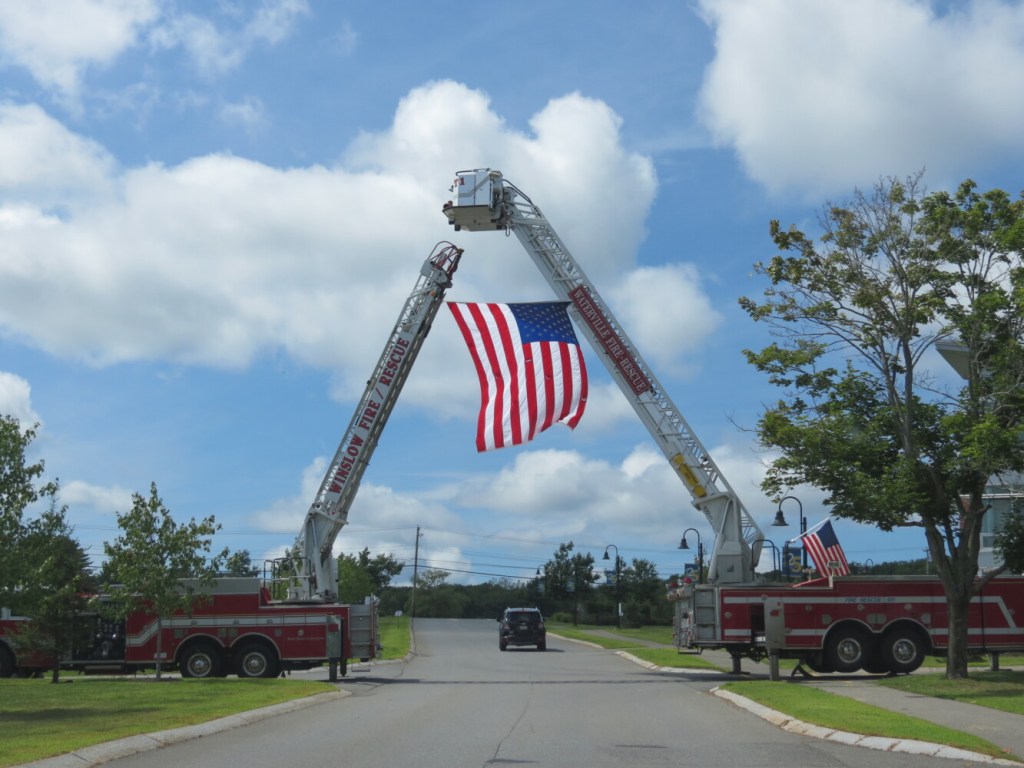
310,572
483,200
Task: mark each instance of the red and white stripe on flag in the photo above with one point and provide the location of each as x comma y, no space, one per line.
825,550
530,367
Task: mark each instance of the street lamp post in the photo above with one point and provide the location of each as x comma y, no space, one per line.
415,575
618,586
700,552
776,557
780,521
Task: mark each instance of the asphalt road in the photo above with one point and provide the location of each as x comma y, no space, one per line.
461,703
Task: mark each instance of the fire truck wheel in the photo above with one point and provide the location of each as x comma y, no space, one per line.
201,660
6,662
256,660
848,649
903,651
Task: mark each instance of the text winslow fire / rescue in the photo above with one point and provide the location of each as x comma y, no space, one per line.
365,422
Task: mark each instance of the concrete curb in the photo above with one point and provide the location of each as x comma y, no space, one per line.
131,745
908,746
671,670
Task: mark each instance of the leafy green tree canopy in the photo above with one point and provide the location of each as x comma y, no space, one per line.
239,563
157,562
897,276
58,576
20,486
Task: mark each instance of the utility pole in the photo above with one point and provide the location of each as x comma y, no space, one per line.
415,573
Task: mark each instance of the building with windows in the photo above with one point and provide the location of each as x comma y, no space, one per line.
1005,495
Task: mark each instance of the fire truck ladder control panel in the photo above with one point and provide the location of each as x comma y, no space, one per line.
312,571
484,200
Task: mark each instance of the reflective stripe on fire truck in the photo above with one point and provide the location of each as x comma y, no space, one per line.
215,622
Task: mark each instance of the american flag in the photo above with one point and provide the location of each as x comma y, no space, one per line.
825,550
530,366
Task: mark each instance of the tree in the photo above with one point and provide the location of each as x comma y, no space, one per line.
435,597
58,576
359,576
897,273
381,569
644,593
570,576
240,564
20,486
354,582
160,566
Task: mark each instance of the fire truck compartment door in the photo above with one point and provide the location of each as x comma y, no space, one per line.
774,624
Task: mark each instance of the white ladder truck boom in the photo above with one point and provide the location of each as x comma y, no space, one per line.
312,571
484,200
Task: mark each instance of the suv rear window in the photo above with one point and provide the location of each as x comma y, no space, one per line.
523,616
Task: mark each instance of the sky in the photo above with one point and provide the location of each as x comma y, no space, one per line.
211,214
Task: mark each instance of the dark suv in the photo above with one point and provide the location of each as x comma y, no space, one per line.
521,626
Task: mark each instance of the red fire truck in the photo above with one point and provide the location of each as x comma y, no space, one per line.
237,627
882,624
878,624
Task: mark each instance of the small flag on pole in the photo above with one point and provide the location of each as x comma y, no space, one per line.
825,549
530,366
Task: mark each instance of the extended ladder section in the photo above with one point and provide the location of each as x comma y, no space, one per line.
485,201
313,568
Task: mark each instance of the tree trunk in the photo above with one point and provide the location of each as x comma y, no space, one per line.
957,652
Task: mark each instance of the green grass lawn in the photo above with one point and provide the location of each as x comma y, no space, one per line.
999,690
39,719
394,636
670,657
830,710
626,640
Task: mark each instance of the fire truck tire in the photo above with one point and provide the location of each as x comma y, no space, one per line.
848,649
6,662
903,651
201,660
256,660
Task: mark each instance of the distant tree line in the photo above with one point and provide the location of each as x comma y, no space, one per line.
566,587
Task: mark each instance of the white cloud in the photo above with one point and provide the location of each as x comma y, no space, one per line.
667,314
44,163
393,516
221,259
104,501
57,41
273,21
215,49
16,400
250,114
824,94
347,40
